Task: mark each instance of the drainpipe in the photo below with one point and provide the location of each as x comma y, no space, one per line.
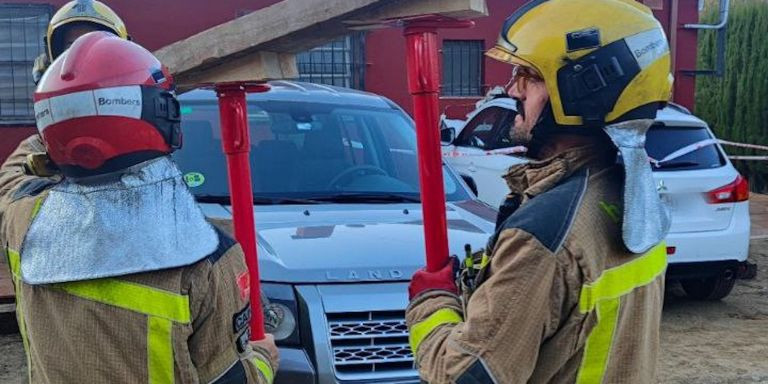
720,27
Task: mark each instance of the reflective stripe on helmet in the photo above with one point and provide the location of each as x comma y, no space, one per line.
648,46
421,330
115,101
604,296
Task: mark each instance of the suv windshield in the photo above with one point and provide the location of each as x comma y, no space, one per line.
662,140
305,152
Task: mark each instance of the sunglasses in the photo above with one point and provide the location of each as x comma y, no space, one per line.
521,76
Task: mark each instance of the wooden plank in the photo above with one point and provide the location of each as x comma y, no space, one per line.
245,34
227,52
255,66
457,9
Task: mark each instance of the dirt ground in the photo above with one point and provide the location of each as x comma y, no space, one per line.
702,342
719,342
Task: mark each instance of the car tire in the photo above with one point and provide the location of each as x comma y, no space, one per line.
711,288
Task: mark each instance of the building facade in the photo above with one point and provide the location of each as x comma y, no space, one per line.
373,61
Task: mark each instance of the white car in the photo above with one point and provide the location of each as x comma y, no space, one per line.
709,239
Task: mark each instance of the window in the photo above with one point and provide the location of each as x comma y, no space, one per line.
462,68
22,28
304,149
488,130
662,140
339,63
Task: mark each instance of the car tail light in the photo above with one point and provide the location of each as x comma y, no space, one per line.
731,193
671,251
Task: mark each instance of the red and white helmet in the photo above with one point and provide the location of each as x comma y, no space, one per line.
105,105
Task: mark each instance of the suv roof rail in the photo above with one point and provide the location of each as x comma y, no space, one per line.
680,108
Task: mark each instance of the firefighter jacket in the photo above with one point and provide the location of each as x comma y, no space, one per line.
179,325
560,300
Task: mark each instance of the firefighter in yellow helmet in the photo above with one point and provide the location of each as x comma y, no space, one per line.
71,21
570,287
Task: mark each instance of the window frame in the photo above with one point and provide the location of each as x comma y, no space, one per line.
31,52
347,52
468,52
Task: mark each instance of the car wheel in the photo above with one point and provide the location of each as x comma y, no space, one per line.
711,288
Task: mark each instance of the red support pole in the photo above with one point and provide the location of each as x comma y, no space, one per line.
424,85
236,142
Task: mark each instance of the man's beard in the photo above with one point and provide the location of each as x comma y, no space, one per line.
533,135
519,136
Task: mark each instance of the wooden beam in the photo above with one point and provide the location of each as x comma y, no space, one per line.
249,48
248,32
457,9
260,65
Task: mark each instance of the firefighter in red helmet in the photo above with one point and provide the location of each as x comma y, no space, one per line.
119,278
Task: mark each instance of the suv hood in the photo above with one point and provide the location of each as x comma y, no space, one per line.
332,243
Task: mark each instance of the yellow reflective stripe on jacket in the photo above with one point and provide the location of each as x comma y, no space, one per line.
599,343
422,329
264,368
604,295
134,297
36,207
160,350
619,281
14,261
162,308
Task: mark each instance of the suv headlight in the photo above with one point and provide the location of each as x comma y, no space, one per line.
281,313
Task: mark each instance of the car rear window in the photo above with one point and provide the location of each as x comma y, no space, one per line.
662,140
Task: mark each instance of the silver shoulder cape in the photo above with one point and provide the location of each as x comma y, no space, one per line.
143,220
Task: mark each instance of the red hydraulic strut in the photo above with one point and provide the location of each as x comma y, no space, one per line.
423,84
236,142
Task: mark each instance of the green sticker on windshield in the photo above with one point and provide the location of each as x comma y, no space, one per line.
194,179
186,110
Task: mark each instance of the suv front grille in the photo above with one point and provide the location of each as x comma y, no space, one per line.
370,344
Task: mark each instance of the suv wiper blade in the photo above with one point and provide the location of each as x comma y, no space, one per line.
213,199
355,197
262,200
257,200
681,164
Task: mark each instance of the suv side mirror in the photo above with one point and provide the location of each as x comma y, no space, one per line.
447,135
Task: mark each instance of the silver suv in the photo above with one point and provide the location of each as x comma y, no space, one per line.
336,201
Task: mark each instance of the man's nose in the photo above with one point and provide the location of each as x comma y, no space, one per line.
515,93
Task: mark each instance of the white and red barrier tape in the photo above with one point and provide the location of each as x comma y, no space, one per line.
672,156
501,151
701,144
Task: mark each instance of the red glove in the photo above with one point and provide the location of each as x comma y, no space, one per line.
442,280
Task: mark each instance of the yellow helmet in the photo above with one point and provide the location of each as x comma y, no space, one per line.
82,11
601,60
